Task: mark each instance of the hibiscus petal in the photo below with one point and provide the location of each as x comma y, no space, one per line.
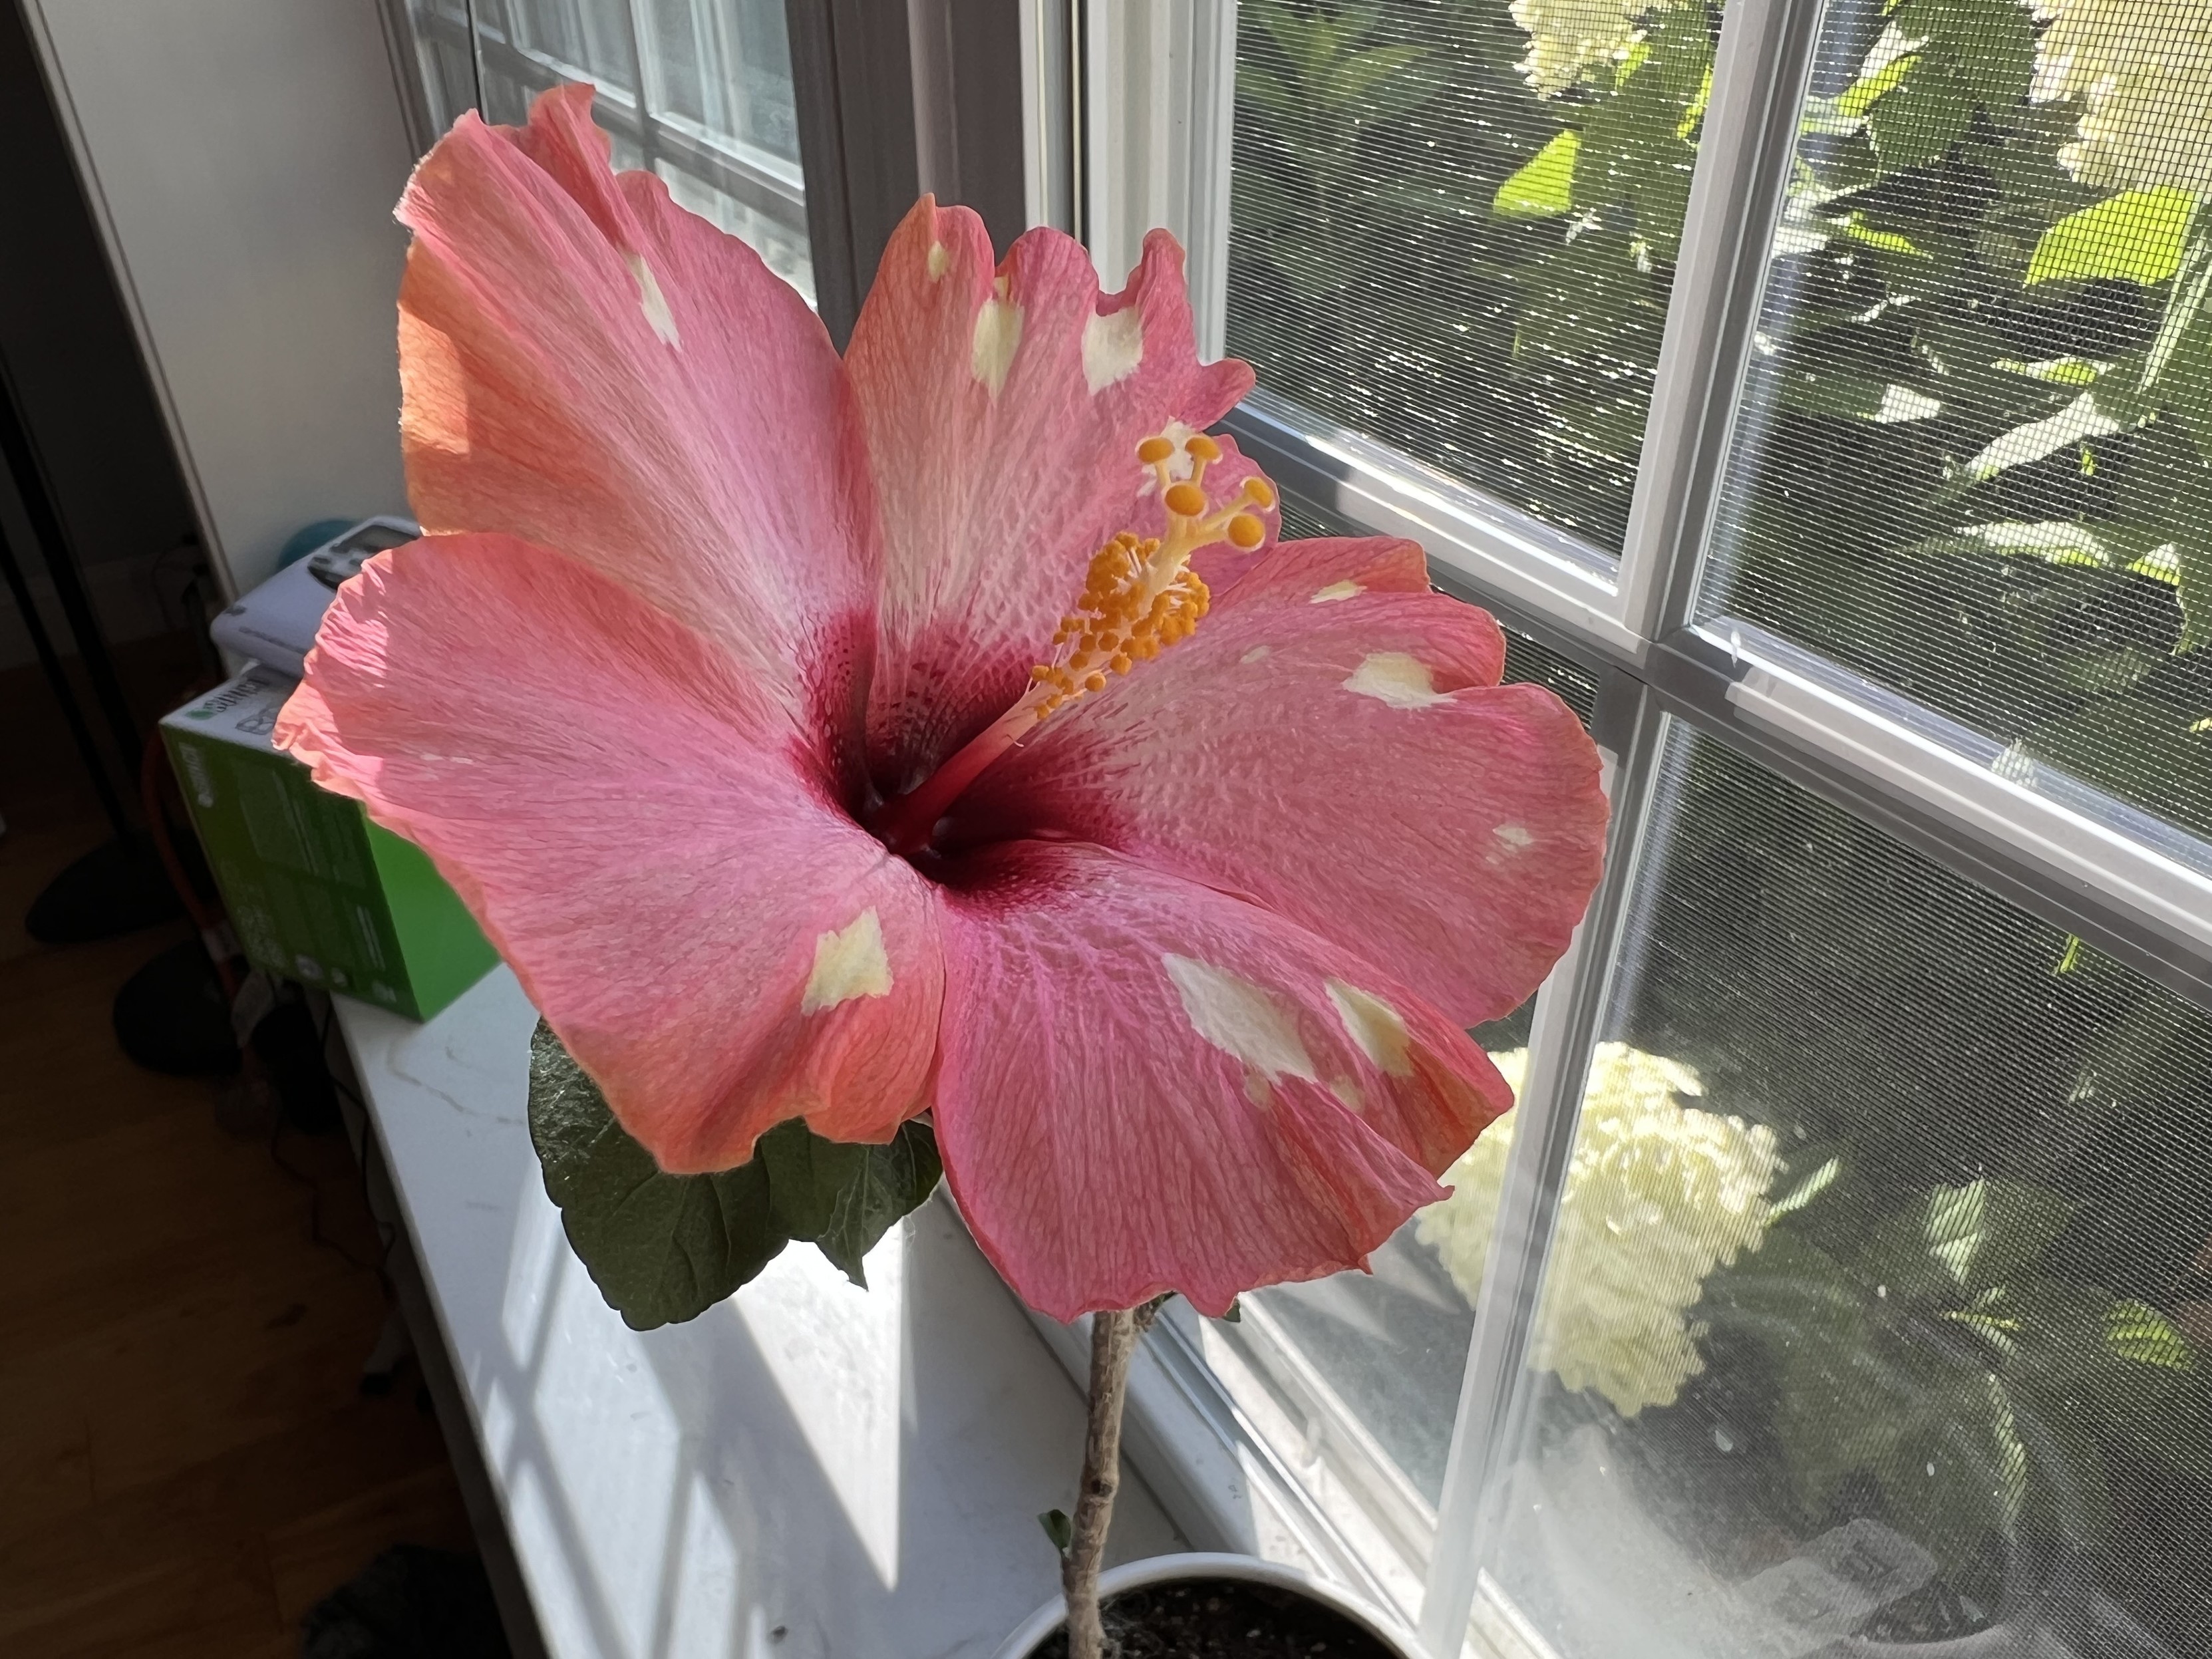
1146,1085
1002,410
643,837
591,367
1336,749
1324,570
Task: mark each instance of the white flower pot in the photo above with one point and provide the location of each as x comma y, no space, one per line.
1166,1569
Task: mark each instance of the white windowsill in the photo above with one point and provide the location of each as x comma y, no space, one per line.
808,1470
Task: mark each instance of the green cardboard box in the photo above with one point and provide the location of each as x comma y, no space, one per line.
316,892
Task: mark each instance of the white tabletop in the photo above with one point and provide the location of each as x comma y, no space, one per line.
805,1471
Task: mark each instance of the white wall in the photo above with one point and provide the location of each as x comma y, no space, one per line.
243,157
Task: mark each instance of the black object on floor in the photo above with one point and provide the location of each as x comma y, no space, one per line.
117,888
172,1016
290,1051
411,1603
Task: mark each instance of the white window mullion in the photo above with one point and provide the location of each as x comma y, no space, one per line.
1745,150
1159,91
644,53
1569,1010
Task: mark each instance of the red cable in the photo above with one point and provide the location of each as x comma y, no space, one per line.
154,771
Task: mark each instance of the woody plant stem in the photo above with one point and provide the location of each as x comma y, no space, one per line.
1113,1342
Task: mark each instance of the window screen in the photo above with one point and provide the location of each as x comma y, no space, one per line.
1880,1301
1454,226
1974,453
711,111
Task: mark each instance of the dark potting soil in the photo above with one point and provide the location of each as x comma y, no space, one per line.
1223,1618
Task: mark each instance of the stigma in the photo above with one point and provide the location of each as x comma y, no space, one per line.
1140,595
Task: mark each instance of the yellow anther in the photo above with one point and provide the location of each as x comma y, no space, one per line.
1139,595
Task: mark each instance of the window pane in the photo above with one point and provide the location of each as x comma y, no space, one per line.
1389,1347
1974,464
725,67
1880,1301
583,39
715,120
1454,224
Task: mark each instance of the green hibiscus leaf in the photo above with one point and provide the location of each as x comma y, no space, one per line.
2135,237
805,1173
662,1248
844,1198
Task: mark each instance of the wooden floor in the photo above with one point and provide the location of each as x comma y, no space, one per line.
187,1461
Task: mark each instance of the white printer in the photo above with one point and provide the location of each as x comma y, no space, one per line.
276,624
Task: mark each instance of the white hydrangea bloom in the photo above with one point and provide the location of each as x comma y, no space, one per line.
1571,39
1658,1194
2143,69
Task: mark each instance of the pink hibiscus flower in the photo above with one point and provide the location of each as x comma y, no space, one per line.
938,729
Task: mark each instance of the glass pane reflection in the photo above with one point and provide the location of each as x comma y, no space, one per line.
1877,1311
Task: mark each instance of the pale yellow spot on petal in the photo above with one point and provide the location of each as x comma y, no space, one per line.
849,963
939,261
1258,1089
1113,346
1347,1094
1374,1026
1257,653
998,332
1394,677
1335,591
655,303
1515,835
1244,1020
